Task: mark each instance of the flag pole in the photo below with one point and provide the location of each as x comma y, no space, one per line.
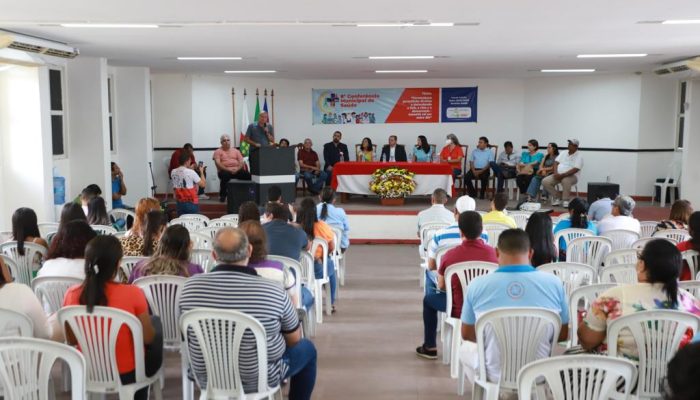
272,106
233,110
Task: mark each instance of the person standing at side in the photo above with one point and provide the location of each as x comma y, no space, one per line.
333,153
118,186
185,183
229,164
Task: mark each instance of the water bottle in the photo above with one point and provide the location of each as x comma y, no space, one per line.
342,158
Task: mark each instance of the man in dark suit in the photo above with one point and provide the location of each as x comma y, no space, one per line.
393,151
334,152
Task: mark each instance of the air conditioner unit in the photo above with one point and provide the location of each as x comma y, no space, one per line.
37,45
685,69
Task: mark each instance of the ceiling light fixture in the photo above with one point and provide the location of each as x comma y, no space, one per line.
251,72
208,58
568,70
401,71
611,55
404,24
401,57
680,21
119,26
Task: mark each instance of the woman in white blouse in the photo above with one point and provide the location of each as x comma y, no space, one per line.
20,298
67,253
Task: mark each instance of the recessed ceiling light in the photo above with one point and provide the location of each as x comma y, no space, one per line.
401,71
251,72
611,55
401,57
208,58
81,25
568,70
680,21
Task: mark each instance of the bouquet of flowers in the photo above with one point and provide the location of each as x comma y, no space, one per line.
392,183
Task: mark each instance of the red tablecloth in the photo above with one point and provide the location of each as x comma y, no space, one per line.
368,168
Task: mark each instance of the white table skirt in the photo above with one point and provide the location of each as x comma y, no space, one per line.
425,184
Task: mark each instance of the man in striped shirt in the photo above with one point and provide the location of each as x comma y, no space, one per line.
232,285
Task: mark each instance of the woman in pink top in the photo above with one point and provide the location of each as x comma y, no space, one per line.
229,165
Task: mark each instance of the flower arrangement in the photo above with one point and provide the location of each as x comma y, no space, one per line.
392,183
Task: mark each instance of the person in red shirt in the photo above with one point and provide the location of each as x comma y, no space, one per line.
692,244
175,162
472,248
102,257
310,168
453,154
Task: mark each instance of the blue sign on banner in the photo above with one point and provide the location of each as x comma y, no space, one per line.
459,104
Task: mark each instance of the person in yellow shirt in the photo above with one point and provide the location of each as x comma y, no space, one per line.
497,214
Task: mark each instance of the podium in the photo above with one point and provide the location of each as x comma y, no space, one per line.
268,166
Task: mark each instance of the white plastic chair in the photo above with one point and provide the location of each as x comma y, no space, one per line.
692,258
517,332
198,217
11,264
209,231
494,231
50,290
322,282
589,250
451,328
309,279
570,234
679,235
672,180
46,227
219,335
580,300
309,319
222,222
96,334
26,364
200,241
658,335
520,217
231,217
427,232
338,256
103,229
192,224
204,258
49,237
621,238
693,287
647,228
624,256
620,274
123,214
572,275
13,323
639,244
25,265
580,377
126,266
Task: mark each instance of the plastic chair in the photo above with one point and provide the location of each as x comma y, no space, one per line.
50,290
26,364
96,334
222,222
13,323
127,265
570,234
426,233
672,180
47,227
517,332
692,258
322,282
589,250
679,235
307,275
293,266
639,244
203,258
198,217
338,256
658,335
451,334
200,241
624,256
572,275
11,264
620,274
647,228
49,237
520,217
103,229
209,231
191,224
580,377
231,217
693,287
580,300
494,231
219,335
621,238
25,265
123,214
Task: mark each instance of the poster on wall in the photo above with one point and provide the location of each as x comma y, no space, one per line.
459,104
375,106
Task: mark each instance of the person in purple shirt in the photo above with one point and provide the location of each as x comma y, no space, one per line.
171,257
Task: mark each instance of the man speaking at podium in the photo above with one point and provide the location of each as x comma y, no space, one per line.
260,134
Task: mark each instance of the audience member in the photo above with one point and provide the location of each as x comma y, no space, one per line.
185,181
505,167
172,256
261,133
91,191
283,239
678,219
620,216
333,216
453,154
578,218
25,229
479,167
248,211
310,167
70,212
497,215
450,236
567,169
437,211
97,212
366,150
600,208
545,169
333,153
118,187
102,256
145,244
472,248
67,253
422,151
658,267
528,166
539,231
681,376
229,165
692,244
393,152
20,298
143,207
274,195
231,285
514,284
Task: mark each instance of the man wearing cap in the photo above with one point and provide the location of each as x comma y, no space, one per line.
620,217
567,169
464,238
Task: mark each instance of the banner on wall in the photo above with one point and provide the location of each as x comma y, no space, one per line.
375,106
459,104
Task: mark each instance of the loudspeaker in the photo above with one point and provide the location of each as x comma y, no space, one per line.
238,192
602,189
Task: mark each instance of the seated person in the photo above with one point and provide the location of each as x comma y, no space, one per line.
393,151
172,256
678,219
437,211
453,154
274,195
25,229
229,165
333,153
567,170
681,376
600,208
118,187
310,168
283,238
620,217
505,166
334,216
497,214
20,298
67,252
365,151
526,169
692,244
577,219
422,151
450,236
479,167
545,169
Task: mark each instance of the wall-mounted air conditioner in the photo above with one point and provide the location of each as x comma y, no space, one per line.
31,44
685,69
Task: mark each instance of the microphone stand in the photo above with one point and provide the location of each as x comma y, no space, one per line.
153,179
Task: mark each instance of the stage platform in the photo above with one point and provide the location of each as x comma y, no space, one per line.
372,223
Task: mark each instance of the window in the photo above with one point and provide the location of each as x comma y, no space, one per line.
680,121
58,112
110,106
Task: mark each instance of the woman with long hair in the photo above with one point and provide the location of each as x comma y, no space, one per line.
172,256
539,229
678,218
143,206
71,212
102,256
309,223
578,218
545,169
692,244
145,244
67,252
453,154
97,212
658,267
366,150
530,160
422,152
332,215
26,229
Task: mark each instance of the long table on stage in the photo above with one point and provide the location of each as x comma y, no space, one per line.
354,177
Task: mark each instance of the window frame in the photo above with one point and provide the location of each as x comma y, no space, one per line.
111,112
62,113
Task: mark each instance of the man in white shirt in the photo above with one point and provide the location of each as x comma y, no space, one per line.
600,209
437,212
620,217
504,166
567,169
